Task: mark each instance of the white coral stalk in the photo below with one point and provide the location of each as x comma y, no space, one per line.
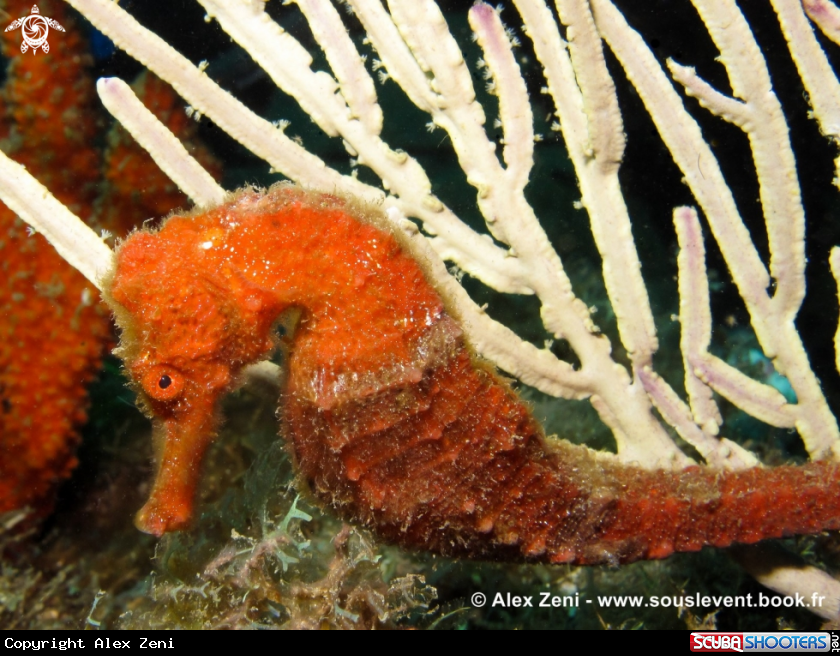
70,236
169,154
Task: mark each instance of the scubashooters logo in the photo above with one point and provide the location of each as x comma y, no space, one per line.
717,642
792,642
35,29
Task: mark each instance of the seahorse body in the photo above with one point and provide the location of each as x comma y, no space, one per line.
390,417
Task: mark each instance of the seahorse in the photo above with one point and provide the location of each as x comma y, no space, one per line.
390,417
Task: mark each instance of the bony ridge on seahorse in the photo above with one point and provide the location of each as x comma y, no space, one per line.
390,417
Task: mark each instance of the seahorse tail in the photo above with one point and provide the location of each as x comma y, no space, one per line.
665,512
456,464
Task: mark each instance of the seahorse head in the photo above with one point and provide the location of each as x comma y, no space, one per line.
189,322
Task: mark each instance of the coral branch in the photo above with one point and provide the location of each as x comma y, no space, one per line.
771,315
810,59
695,316
826,15
160,143
70,236
260,136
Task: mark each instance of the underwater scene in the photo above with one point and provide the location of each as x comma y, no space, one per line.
443,315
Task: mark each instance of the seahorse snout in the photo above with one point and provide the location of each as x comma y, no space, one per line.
182,442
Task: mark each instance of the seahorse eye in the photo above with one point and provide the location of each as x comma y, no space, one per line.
162,383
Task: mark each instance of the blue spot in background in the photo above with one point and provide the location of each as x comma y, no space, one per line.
774,379
101,47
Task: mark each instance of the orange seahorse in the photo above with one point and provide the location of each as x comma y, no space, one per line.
391,418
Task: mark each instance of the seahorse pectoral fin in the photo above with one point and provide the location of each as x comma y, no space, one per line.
184,442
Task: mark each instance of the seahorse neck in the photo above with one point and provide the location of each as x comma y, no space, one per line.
367,306
327,261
